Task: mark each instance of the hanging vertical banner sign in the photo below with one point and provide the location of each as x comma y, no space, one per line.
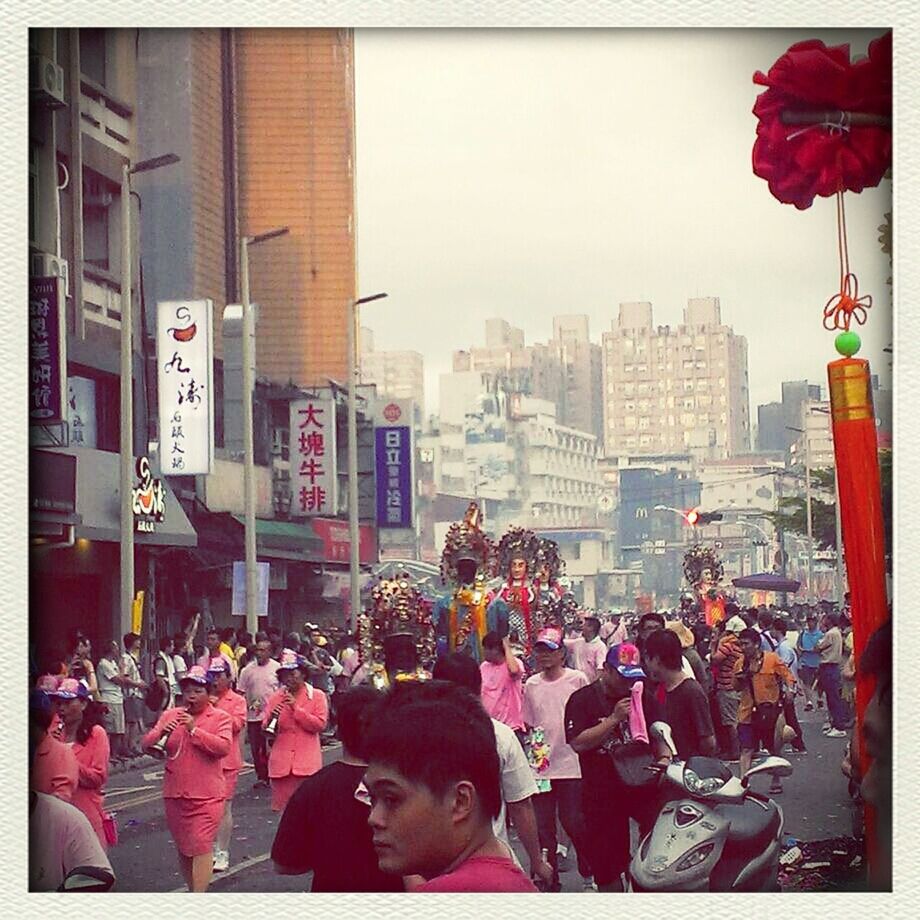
47,373
185,362
312,453
393,466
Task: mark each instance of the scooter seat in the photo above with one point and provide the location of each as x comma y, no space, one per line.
751,826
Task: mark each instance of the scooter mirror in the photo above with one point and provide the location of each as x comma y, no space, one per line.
778,766
661,731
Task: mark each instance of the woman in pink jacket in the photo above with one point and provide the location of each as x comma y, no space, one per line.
53,766
81,718
300,712
230,702
197,739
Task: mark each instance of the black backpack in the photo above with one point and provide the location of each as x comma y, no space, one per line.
156,694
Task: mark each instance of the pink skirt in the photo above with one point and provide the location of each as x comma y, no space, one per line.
87,801
283,787
193,824
230,778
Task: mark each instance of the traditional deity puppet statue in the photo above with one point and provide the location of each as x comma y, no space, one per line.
514,606
395,633
550,583
461,617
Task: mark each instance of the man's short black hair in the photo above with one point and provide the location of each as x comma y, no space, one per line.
833,618
213,631
764,619
459,669
648,617
876,658
129,639
262,636
353,709
165,642
751,635
492,640
664,645
594,621
780,625
228,634
435,734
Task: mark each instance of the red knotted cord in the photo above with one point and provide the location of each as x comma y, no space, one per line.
847,304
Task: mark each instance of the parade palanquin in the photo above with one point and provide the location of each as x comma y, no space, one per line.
395,633
461,618
530,595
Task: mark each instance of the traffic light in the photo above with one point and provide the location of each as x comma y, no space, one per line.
695,518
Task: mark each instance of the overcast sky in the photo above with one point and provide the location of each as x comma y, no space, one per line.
528,173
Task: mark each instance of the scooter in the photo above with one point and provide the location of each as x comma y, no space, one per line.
717,835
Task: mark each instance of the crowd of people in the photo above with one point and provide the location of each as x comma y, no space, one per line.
497,713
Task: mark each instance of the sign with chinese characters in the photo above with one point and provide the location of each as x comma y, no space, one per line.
312,453
47,369
393,466
148,499
185,360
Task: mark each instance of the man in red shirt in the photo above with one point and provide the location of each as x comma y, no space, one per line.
434,784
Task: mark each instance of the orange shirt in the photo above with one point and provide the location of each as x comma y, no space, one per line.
194,762
766,684
54,769
235,706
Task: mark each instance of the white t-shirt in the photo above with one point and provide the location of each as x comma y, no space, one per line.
544,706
132,672
60,839
109,692
517,777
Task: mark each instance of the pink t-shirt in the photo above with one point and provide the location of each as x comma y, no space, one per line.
544,706
587,657
257,682
503,692
481,873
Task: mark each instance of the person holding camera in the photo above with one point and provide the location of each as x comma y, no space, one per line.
762,680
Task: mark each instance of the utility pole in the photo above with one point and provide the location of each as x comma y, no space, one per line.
808,524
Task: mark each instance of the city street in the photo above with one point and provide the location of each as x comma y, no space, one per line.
815,804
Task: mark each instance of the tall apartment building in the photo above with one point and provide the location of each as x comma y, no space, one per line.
397,374
582,363
795,395
770,424
515,368
674,390
263,120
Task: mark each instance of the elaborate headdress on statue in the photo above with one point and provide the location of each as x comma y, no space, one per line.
698,560
517,543
548,555
465,539
395,608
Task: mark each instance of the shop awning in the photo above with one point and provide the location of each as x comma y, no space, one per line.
97,503
285,539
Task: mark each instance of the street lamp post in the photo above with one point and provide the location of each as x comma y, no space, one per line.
249,471
808,523
126,391
353,381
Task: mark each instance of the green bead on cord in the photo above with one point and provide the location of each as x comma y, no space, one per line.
847,344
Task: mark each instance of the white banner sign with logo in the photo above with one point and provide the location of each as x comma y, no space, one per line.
312,454
185,360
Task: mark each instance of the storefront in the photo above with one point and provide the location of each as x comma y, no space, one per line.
74,571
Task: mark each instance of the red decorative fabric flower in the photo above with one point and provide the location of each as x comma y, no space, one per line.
838,150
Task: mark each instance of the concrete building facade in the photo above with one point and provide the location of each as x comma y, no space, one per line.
675,390
397,374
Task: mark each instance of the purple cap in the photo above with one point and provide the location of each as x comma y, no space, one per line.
625,660
219,665
551,637
71,689
291,660
196,674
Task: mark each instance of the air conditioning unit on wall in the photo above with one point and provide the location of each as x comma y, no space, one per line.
46,82
46,265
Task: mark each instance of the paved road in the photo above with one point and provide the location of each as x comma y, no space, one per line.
815,804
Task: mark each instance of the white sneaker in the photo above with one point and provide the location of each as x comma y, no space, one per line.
562,850
836,733
588,884
221,860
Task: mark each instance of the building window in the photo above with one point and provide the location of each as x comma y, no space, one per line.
98,196
93,54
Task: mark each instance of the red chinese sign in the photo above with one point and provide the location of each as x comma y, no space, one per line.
312,457
46,352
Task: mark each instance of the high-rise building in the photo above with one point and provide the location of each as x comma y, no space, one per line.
582,363
397,374
669,391
770,434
